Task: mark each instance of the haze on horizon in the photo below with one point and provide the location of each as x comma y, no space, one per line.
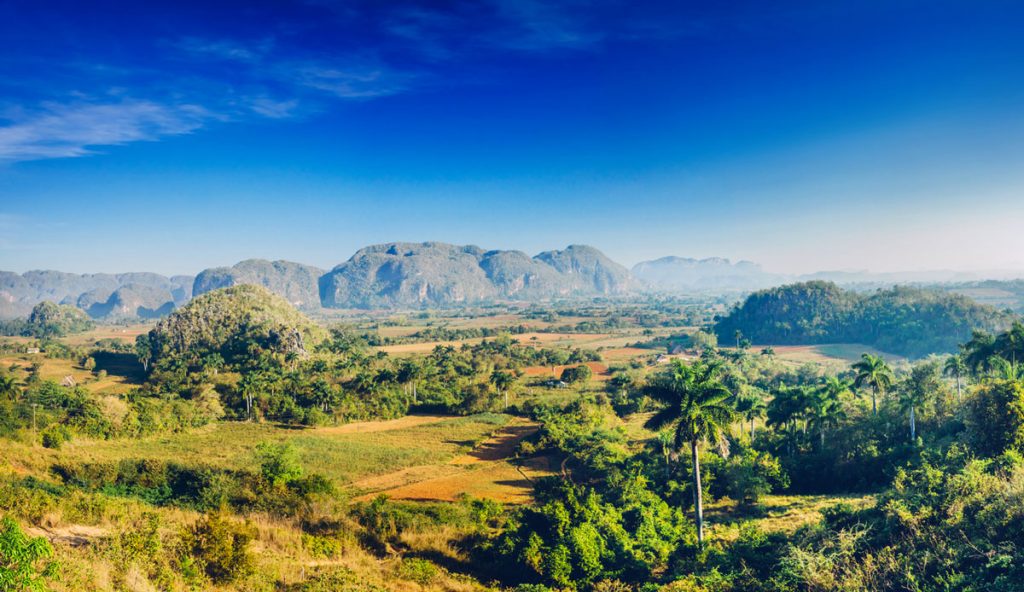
171,137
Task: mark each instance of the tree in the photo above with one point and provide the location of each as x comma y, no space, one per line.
576,374
995,417
978,352
738,335
19,559
872,371
697,404
827,409
251,385
917,390
144,350
1010,344
279,463
751,406
411,373
788,405
956,368
503,381
8,386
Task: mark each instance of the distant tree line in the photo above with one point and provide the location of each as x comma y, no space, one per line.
902,320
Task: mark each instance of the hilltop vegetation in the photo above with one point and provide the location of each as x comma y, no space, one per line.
227,327
901,320
49,320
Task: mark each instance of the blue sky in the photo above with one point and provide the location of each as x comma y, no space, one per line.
814,135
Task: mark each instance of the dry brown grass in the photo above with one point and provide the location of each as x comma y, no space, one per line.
487,471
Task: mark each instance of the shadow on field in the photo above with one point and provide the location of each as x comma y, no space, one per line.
120,364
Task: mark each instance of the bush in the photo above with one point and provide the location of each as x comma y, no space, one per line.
221,548
279,463
577,374
55,436
418,570
20,558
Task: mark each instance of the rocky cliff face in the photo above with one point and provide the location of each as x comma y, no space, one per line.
295,282
440,274
588,271
379,276
19,293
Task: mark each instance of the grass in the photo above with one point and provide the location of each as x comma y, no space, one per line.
778,513
831,355
343,457
57,369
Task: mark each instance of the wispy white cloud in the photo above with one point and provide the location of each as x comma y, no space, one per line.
225,49
538,25
352,80
272,108
77,129
285,75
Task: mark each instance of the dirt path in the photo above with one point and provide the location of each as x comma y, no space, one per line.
485,472
73,535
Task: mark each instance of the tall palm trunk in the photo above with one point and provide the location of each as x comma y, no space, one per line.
698,499
913,425
959,389
874,400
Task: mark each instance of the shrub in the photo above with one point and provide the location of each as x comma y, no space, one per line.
279,463
55,436
221,548
20,558
418,570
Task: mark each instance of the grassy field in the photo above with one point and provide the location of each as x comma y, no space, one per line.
777,513
344,454
831,355
118,380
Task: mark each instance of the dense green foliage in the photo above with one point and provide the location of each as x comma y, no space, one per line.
902,320
931,451
23,565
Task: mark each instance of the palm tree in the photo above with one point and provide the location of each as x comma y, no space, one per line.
698,405
1011,343
826,408
503,381
874,372
977,352
956,368
751,406
1003,369
788,405
738,335
8,386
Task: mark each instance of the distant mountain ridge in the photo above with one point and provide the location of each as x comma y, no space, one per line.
102,295
714,273
437,274
441,274
388,275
